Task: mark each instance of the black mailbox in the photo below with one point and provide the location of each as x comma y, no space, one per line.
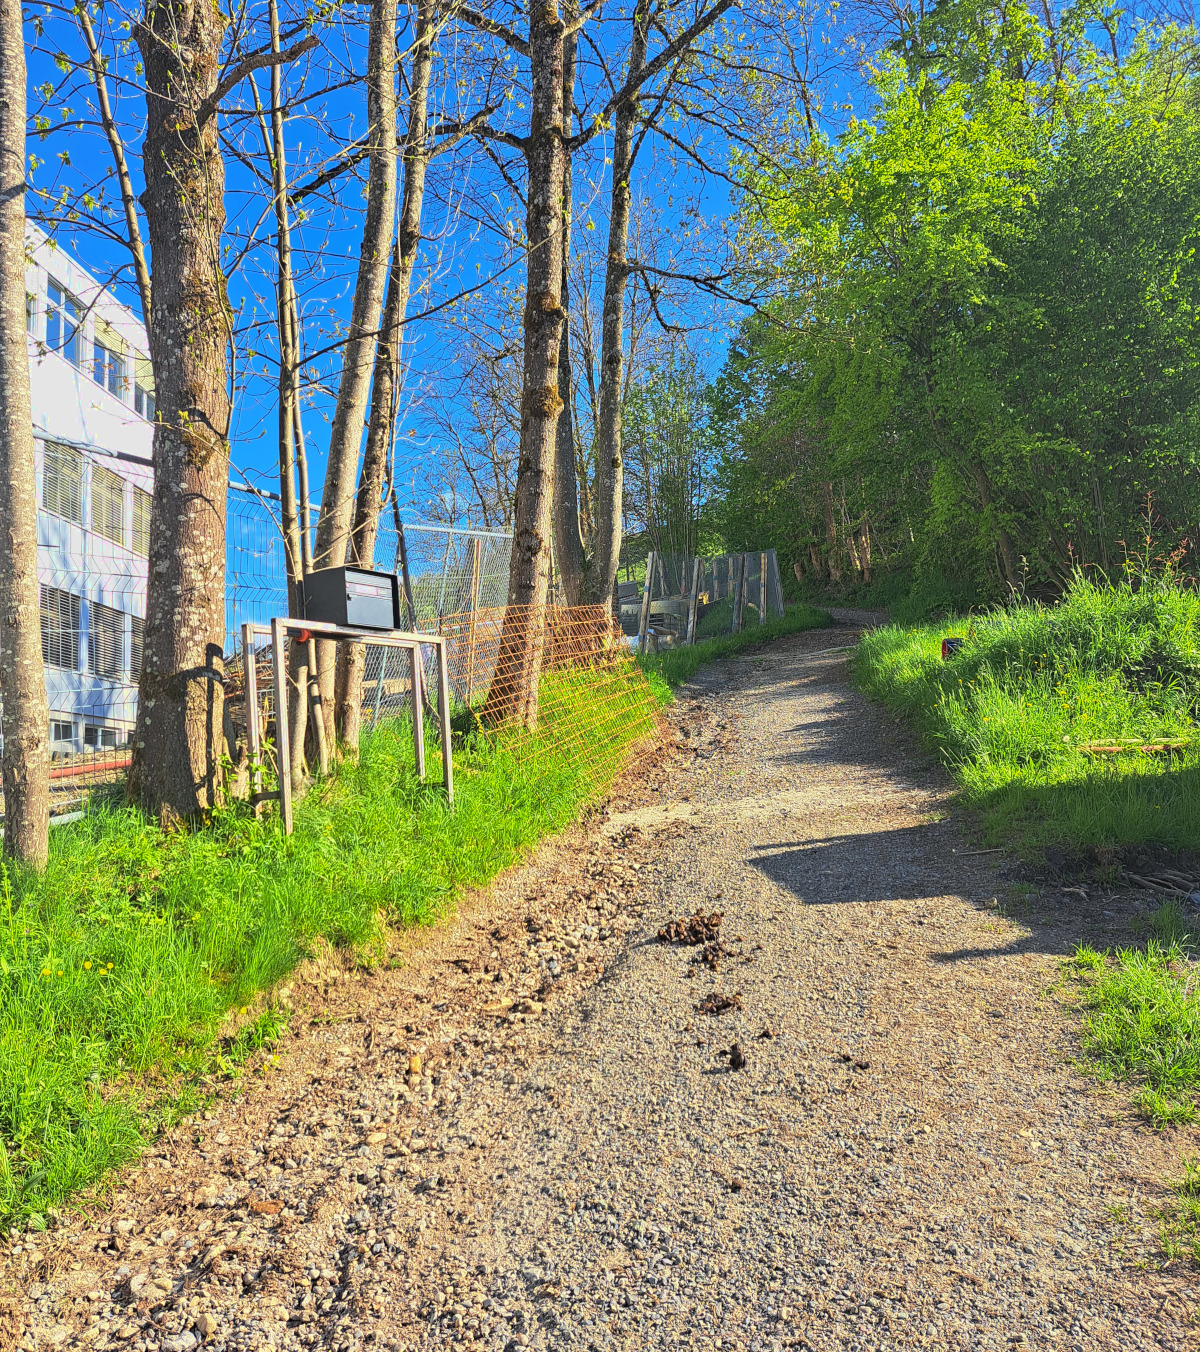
353,597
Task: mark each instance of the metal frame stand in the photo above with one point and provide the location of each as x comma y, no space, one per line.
278,630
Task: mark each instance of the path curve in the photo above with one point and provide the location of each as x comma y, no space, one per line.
906,1158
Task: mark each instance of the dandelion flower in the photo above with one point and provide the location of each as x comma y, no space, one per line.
87,966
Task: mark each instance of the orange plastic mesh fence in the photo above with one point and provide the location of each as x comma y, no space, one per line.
591,700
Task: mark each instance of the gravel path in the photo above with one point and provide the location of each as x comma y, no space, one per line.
527,1133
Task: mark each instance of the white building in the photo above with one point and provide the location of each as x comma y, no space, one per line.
93,411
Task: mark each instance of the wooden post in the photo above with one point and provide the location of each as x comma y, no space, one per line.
762,587
444,712
476,548
778,579
644,618
253,740
418,710
694,603
282,746
739,592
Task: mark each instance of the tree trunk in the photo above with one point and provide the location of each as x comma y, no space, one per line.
26,724
1008,555
385,383
514,693
831,541
609,463
175,768
345,438
568,539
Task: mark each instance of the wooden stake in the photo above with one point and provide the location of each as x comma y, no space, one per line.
644,618
253,740
694,606
476,549
762,587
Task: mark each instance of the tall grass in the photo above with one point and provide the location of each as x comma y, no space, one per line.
673,666
119,965
1013,712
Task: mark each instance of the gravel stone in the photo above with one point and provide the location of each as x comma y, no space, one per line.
520,1133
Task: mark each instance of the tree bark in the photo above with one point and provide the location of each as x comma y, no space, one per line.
385,382
345,438
175,768
831,540
26,725
609,461
515,693
568,538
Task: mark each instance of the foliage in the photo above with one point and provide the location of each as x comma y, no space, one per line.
984,353
1012,713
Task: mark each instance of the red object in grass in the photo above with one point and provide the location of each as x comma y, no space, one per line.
950,646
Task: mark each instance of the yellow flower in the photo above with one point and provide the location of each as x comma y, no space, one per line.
45,971
60,971
109,966
87,966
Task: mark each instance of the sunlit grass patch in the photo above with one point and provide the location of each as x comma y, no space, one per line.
1142,1026
1018,712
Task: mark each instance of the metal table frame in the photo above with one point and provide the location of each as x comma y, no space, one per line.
277,631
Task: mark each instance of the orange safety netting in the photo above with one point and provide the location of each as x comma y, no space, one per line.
550,681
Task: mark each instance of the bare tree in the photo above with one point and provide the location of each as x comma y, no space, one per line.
22,676
375,247
178,741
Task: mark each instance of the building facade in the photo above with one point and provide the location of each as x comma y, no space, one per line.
93,416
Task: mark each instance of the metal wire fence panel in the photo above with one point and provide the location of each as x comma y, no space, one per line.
451,570
718,579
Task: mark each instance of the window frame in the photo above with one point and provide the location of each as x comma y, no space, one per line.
106,480
54,639
74,456
114,670
65,312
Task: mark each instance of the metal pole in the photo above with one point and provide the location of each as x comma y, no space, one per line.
252,737
418,710
444,712
282,746
387,652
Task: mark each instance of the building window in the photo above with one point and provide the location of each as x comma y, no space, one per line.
62,737
108,505
106,641
143,387
62,323
62,482
100,739
108,369
141,523
137,645
60,629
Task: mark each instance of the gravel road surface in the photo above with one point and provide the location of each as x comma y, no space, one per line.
530,1131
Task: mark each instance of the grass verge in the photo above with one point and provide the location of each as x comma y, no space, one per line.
1142,1020
673,666
1014,713
121,965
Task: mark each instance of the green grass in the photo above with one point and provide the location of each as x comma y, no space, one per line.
1011,712
121,965
673,666
1142,1024
1180,1218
